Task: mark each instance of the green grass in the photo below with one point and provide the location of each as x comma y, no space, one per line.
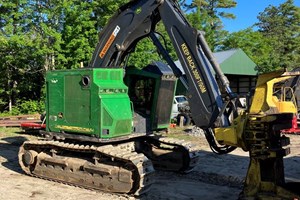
9,132
16,133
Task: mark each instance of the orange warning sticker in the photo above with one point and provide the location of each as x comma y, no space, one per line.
109,42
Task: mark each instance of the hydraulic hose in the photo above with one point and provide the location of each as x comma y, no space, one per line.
218,149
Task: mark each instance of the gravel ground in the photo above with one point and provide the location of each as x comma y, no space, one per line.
215,177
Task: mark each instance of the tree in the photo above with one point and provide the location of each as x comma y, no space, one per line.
146,52
46,20
79,22
19,56
79,33
255,45
281,25
203,15
41,35
206,15
103,10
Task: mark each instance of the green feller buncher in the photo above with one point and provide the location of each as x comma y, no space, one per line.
103,121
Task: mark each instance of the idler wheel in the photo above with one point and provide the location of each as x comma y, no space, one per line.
29,157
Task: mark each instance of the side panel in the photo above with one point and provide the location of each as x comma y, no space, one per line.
88,101
77,101
115,107
116,115
69,102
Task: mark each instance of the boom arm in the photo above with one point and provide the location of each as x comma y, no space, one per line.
137,20
126,28
197,61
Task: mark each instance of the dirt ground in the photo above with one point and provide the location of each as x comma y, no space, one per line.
215,176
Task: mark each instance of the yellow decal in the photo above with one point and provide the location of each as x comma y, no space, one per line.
75,128
109,42
193,68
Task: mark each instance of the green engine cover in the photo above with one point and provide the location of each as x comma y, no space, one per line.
88,101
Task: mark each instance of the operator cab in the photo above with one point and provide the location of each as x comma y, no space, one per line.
151,91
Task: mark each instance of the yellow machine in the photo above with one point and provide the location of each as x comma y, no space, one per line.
259,132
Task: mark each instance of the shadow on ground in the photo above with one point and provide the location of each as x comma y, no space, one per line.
9,148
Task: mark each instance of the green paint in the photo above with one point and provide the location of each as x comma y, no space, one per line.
88,101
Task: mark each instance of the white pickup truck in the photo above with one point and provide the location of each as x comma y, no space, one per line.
181,108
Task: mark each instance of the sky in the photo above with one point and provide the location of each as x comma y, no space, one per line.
246,13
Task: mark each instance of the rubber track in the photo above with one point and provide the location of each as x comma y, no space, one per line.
191,149
143,165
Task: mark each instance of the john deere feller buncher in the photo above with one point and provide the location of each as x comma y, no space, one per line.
102,120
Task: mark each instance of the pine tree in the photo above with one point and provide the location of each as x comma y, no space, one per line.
206,15
255,45
281,25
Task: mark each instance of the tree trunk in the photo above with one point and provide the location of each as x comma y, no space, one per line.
10,103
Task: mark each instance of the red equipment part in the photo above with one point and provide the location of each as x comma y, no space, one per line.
32,125
294,129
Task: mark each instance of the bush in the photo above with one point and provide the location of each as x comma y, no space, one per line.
30,107
14,111
25,107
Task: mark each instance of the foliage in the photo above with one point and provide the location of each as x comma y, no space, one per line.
281,25
26,107
276,43
20,56
206,15
255,45
146,52
30,107
103,11
41,35
78,34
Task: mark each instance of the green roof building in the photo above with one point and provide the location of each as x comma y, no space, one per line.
236,62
